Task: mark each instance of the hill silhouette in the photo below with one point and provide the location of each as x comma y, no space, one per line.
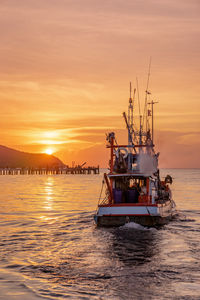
17,159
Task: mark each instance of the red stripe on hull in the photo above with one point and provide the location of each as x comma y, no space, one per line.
125,215
127,204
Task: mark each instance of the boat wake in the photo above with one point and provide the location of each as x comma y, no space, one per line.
183,218
135,226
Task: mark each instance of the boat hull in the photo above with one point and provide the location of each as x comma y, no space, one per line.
145,215
149,221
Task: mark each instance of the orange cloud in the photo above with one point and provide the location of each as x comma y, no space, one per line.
66,67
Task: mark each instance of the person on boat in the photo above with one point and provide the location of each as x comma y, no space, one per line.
133,193
120,165
143,190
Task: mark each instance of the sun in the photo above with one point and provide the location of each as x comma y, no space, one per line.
49,151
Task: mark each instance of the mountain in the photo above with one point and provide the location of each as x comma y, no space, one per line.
16,159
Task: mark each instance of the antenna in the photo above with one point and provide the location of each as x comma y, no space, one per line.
130,91
134,94
138,96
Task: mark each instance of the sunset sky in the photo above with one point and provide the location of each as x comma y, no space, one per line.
66,67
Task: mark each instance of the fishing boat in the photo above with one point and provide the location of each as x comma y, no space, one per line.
133,188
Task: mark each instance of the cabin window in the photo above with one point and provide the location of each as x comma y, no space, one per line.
129,189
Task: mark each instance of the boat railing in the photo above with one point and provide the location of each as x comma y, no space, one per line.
104,200
104,197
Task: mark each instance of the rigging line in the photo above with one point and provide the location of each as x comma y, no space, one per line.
146,92
148,211
135,127
138,96
148,74
115,141
101,191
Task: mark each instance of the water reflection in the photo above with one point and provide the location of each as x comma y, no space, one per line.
48,192
48,240
133,246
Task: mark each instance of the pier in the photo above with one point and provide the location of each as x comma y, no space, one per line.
49,171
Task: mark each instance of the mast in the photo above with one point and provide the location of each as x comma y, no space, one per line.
130,117
128,128
140,132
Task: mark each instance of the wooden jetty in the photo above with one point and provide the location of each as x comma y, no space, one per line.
49,171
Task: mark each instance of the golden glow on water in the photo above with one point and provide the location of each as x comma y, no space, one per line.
48,239
48,193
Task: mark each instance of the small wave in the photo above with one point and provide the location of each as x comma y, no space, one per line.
183,218
13,266
133,225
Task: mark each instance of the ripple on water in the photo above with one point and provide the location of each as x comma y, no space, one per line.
50,248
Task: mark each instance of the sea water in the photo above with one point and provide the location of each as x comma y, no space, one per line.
51,249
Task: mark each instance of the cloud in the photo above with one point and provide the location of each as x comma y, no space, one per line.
66,67
65,37
177,149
